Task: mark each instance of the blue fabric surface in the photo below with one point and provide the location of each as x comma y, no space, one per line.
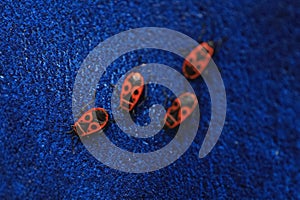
42,45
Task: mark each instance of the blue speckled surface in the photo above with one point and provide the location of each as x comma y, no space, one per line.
42,46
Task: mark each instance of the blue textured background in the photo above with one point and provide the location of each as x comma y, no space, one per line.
42,45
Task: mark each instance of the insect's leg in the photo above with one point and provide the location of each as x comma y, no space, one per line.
112,85
112,121
73,144
70,132
168,98
133,112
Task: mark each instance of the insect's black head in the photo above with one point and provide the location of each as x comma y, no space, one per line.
211,44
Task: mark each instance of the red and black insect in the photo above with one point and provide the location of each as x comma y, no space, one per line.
181,108
132,90
90,122
198,59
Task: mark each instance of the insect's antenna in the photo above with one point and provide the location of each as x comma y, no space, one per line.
219,43
223,40
167,98
202,33
214,25
86,105
73,145
57,130
139,59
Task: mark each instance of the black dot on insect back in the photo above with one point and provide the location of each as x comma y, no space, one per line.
136,92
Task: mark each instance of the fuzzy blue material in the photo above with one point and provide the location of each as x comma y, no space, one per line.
42,45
